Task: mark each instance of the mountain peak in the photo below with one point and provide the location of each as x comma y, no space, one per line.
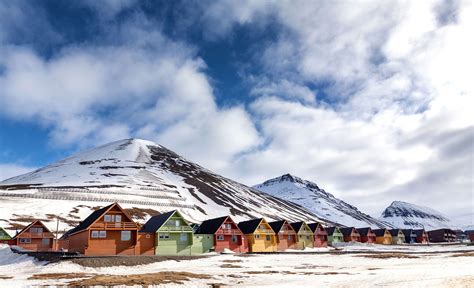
315,199
408,215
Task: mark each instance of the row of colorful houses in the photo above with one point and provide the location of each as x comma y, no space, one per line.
111,231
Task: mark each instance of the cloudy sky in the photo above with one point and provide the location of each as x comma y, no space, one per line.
372,102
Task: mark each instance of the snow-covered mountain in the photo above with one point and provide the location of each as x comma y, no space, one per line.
140,175
320,202
407,215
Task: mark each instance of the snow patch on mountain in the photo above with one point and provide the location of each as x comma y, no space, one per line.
318,201
407,215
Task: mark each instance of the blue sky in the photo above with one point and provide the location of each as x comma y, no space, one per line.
370,101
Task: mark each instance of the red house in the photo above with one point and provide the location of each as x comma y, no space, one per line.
227,234
320,234
286,235
367,235
350,234
34,237
421,236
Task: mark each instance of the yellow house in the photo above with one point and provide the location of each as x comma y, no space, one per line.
260,235
305,235
382,236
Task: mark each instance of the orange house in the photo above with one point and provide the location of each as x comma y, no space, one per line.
107,231
34,237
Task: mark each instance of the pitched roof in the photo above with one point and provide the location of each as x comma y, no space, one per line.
28,227
379,232
5,232
394,232
331,230
155,222
408,233
86,223
297,225
419,232
313,226
248,227
211,226
277,225
364,231
346,231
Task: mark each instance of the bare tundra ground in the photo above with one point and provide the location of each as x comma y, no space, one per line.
371,268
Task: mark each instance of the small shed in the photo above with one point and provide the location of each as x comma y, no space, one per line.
334,235
225,234
383,236
4,236
320,234
421,236
285,235
305,235
350,234
367,235
259,234
34,237
173,234
397,236
410,236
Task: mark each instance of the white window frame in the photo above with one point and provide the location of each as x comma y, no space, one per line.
234,239
25,240
257,236
45,241
108,218
164,236
94,234
117,218
268,238
182,236
37,230
102,234
220,237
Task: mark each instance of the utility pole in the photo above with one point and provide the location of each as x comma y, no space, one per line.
57,231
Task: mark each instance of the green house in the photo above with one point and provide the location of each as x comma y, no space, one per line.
174,236
4,236
305,238
334,235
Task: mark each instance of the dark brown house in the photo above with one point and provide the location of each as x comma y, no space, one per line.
442,235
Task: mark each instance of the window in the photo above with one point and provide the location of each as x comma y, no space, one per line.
177,223
103,234
228,226
220,237
125,235
267,238
262,227
107,218
36,230
147,236
183,237
234,238
257,236
118,218
25,240
45,241
307,237
2,234
164,236
94,234
290,237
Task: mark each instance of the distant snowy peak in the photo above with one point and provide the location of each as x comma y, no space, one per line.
407,215
309,195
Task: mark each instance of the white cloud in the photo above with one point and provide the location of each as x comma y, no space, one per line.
399,78
8,170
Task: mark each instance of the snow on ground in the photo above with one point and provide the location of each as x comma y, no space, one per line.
277,270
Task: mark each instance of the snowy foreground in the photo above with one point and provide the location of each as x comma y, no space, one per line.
392,266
